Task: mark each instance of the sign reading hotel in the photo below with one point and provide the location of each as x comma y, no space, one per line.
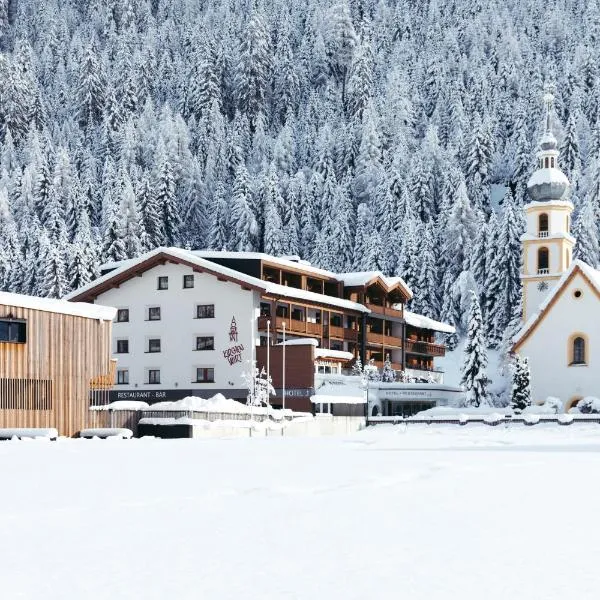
233,354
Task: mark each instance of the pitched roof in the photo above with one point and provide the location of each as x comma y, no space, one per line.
76,309
363,278
127,269
577,266
424,322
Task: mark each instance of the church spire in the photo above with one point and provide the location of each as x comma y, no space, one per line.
547,182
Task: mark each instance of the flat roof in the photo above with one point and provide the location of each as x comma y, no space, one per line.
76,309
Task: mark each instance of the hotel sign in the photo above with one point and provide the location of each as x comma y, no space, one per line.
406,395
233,354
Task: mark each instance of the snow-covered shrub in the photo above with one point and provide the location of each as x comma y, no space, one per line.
554,403
589,404
531,419
493,418
565,419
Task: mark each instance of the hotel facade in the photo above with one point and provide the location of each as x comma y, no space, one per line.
190,322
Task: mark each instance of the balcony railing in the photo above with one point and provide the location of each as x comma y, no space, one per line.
543,234
379,364
433,375
291,325
428,348
380,339
386,311
543,271
342,333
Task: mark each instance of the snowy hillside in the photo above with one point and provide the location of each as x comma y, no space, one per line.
359,134
424,514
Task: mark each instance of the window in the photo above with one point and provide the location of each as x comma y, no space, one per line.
154,313
163,283
546,162
205,311
13,332
205,343
123,315
188,281
153,375
543,261
122,346
543,225
578,351
154,345
205,375
122,376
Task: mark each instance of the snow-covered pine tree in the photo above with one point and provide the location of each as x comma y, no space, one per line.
357,367
474,375
586,234
521,384
388,374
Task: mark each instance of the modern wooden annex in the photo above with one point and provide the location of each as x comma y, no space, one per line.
55,361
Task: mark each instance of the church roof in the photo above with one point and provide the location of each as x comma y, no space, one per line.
577,266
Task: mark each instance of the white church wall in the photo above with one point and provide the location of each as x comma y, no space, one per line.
549,346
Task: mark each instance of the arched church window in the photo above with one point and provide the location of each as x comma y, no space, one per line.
578,351
552,162
543,260
543,225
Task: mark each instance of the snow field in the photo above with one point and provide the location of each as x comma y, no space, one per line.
391,512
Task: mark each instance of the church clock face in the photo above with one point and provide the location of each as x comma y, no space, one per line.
542,286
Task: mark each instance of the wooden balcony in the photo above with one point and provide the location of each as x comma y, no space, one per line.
427,348
341,333
379,364
384,311
291,326
379,339
106,381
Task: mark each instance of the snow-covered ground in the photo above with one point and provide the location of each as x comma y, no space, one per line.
422,512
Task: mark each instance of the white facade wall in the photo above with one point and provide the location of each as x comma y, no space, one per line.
549,350
554,257
178,328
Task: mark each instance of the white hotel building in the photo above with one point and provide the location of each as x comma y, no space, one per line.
189,322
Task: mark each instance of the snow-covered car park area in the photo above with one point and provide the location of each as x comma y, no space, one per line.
416,512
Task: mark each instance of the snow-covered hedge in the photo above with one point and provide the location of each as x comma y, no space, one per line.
10,433
106,432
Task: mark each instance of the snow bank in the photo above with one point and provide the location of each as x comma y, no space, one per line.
106,432
218,424
218,403
452,411
589,404
28,432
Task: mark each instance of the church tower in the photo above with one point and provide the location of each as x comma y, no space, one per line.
547,241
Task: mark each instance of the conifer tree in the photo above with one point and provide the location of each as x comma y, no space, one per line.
474,375
586,234
244,228
388,374
521,384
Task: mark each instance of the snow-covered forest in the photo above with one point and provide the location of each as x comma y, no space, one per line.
366,134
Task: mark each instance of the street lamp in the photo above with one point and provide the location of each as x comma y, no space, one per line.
268,362
283,374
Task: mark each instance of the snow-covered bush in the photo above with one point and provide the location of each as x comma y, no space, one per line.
555,404
521,384
589,404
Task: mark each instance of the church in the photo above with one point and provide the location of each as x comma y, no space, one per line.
561,296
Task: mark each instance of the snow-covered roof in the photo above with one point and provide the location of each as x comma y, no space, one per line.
362,278
77,309
195,258
548,176
548,203
327,399
339,354
592,274
426,323
284,261
185,255
290,292
300,342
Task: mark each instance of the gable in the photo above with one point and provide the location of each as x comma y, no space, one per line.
562,310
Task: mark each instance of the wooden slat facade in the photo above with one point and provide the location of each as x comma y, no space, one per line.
53,378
